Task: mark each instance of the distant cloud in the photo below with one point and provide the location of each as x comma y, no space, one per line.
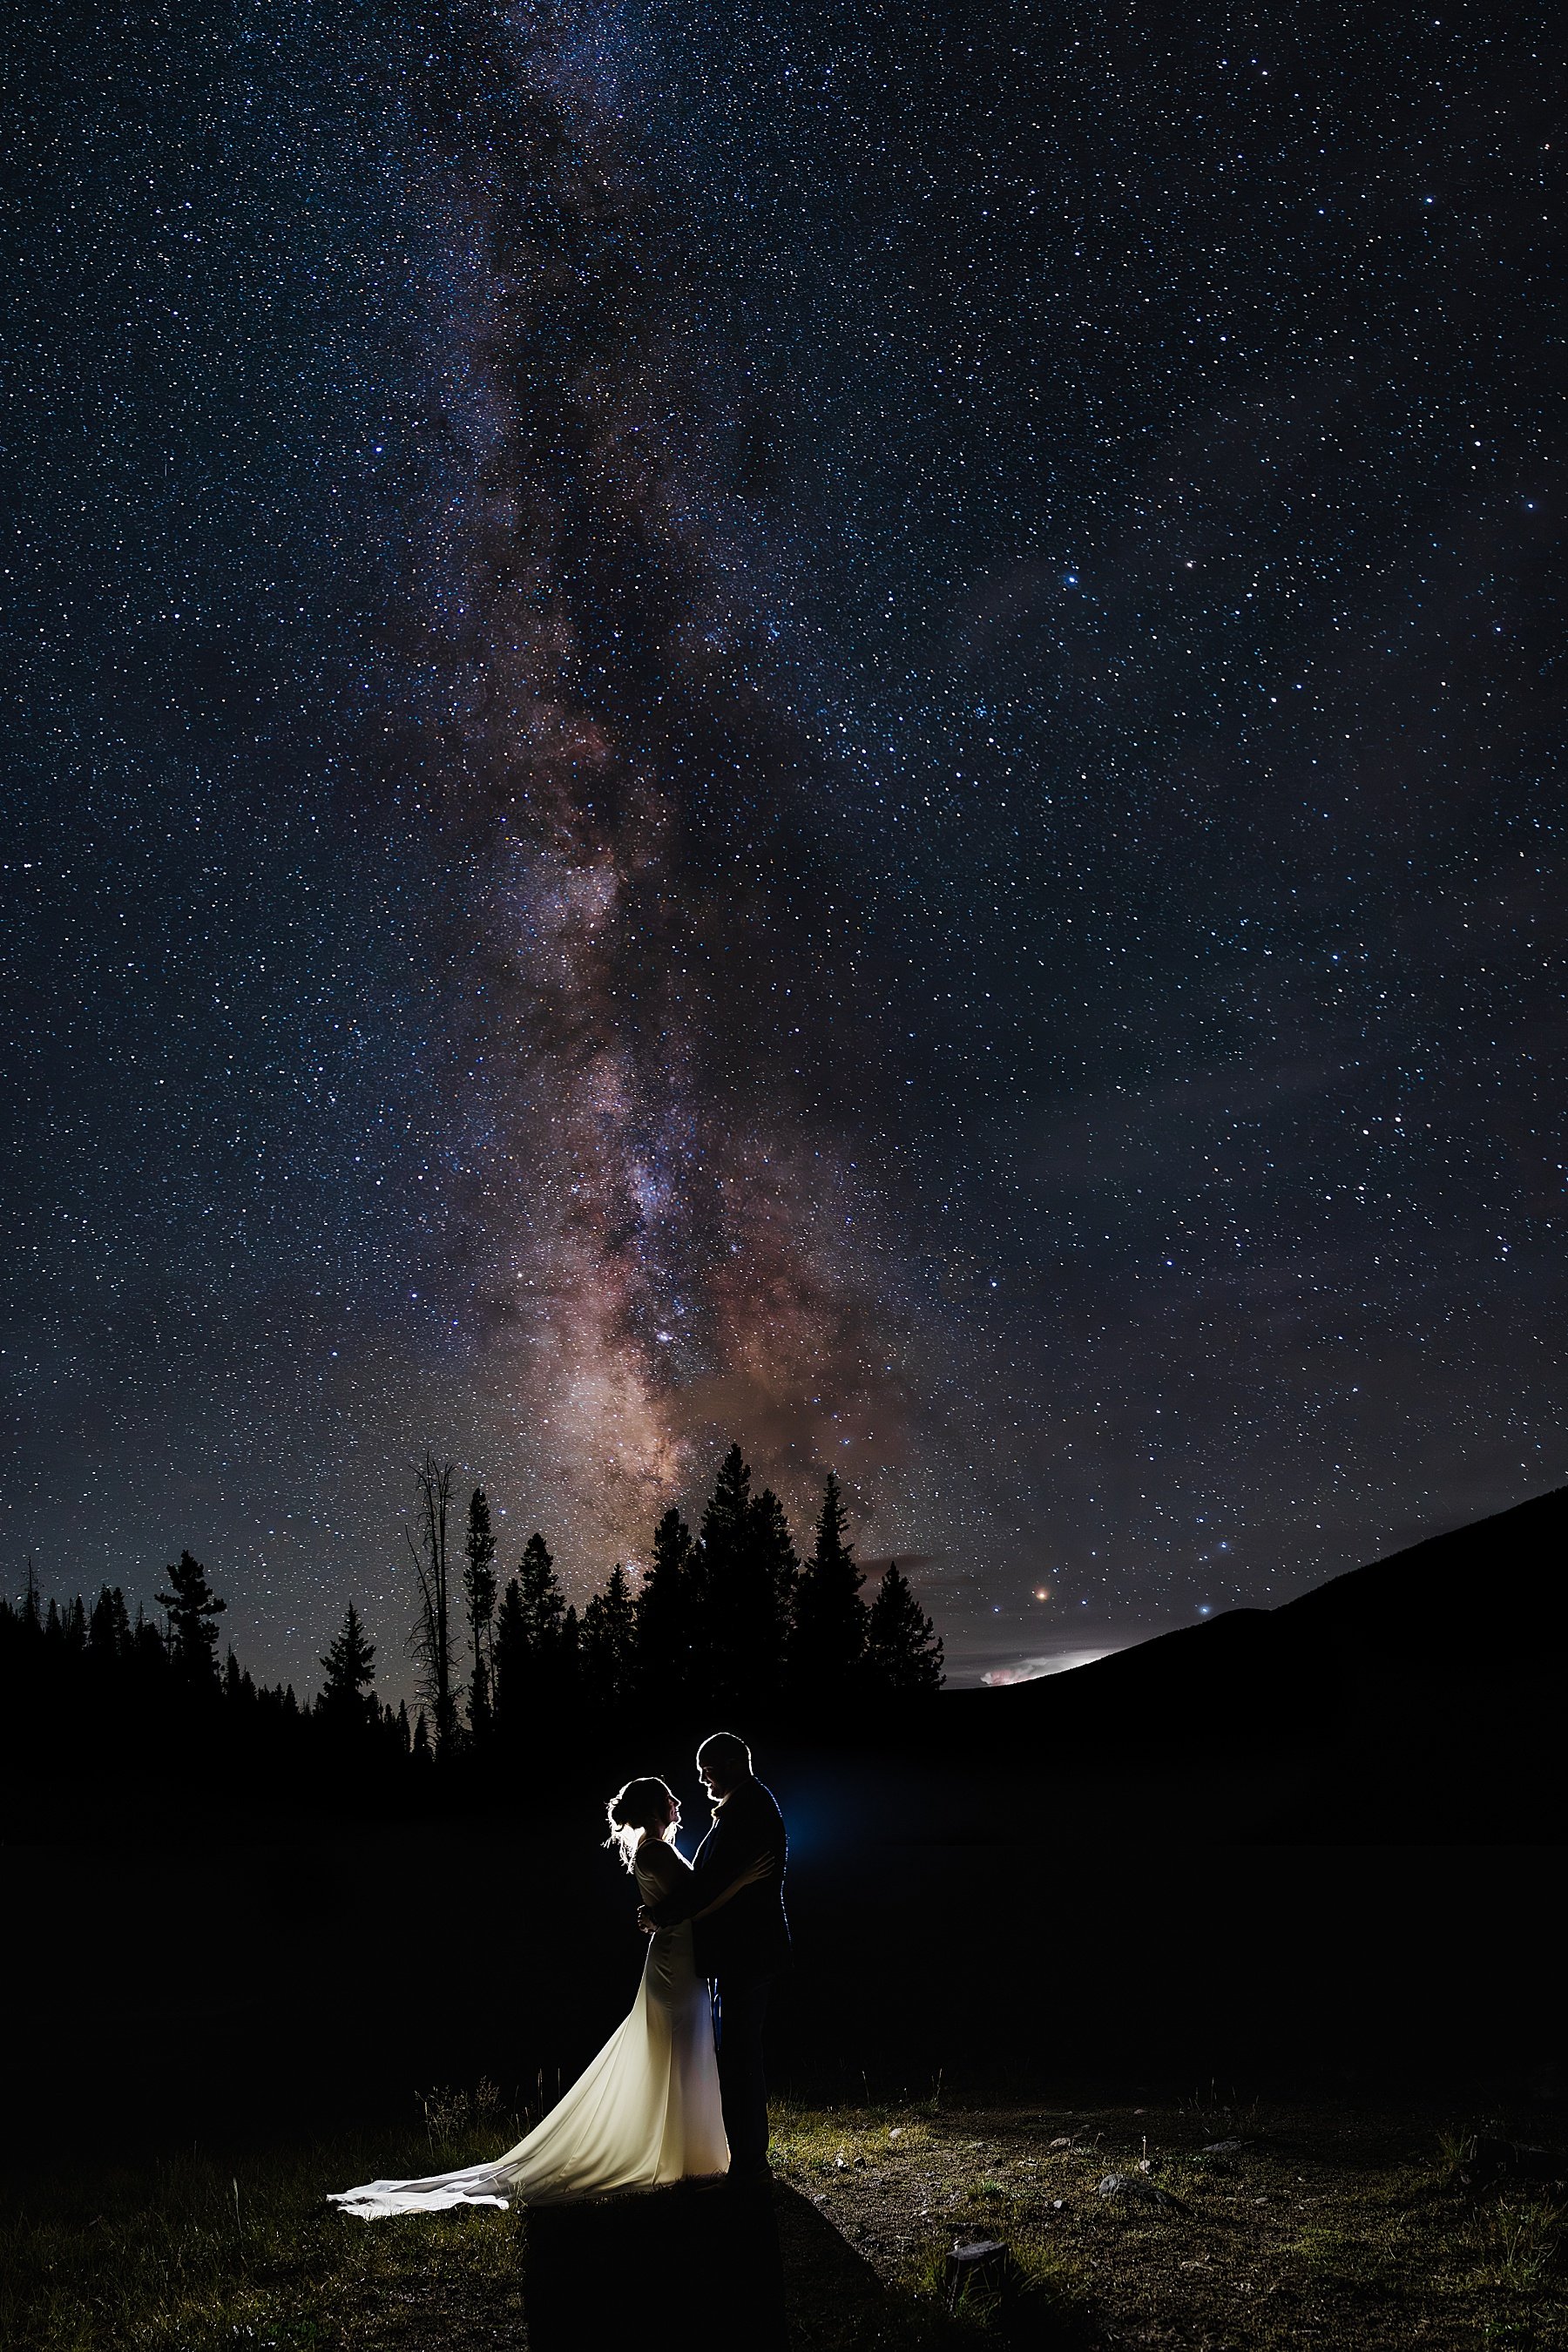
1058,1662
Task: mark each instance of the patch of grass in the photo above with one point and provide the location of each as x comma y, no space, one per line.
1339,2231
1520,2245
189,2254
815,2139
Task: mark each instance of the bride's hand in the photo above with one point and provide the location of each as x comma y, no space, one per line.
762,1868
649,1926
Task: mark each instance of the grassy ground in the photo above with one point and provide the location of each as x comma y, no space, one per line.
1320,2229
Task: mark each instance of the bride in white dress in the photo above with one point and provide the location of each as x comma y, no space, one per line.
647,2111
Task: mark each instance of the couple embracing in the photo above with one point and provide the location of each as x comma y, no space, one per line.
678,2091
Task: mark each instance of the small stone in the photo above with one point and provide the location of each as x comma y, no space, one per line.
1223,2148
1061,2143
1123,2184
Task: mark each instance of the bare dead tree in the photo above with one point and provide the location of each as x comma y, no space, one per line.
431,1641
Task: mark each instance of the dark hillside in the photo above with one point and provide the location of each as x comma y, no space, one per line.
1421,1693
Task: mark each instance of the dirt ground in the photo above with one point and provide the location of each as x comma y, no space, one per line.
1193,2227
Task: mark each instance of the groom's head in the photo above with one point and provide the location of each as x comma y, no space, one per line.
723,1760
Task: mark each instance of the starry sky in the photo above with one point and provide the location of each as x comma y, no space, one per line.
839,725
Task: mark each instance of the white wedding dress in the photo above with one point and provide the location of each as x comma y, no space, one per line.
645,2113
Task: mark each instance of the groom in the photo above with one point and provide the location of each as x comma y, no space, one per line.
741,1947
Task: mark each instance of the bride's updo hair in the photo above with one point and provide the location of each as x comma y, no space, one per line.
647,1804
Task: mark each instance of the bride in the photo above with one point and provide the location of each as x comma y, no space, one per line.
647,2111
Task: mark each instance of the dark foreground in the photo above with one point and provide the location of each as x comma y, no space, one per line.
1199,2225
1309,1857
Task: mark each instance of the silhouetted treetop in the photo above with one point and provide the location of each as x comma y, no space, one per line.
350,1665
827,1640
191,1605
903,1655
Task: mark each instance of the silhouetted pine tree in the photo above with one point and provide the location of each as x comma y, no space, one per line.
609,1642
566,1682
109,1628
726,1511
191,1605
480,1600
350,1665
665,1611
827,1641
903,1655
511,1656
419,1747
725,1582
745,1574
544,1602
530,1663
772,1551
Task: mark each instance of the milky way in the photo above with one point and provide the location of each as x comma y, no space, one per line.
661,1224
831,724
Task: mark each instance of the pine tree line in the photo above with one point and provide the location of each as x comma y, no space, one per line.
82,1686
728,1622
726,1625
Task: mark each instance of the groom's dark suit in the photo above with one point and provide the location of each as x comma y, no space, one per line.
741,1948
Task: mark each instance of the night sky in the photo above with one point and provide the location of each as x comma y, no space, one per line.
839,725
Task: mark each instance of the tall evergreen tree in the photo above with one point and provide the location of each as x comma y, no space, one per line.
772,1549
726,1513
109,1628
747,1570
479,1601
566,1686
828,1639
665,1611
191,1605
350,1665
903,1653
608,1641
725,1634
544,1602
530,1632
511,1659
